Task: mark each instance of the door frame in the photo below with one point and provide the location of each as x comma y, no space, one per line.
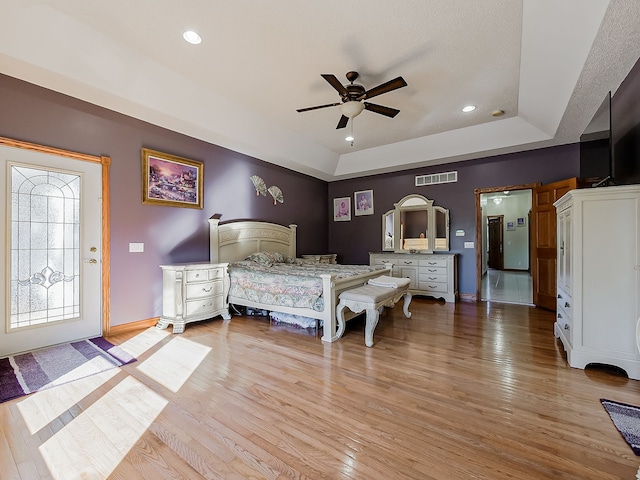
106,213
477,192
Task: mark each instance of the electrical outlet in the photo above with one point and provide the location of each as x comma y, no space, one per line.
468,244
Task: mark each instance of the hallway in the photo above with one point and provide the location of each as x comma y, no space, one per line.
507,287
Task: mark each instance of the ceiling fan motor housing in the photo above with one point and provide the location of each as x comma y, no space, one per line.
354,92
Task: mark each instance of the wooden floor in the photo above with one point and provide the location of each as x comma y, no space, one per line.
471,391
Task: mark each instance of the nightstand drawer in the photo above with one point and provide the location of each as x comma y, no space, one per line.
200,290
203,275
204,306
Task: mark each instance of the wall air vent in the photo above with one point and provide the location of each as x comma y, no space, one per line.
435,178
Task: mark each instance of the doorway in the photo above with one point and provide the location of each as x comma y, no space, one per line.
54,290
503,238
495,252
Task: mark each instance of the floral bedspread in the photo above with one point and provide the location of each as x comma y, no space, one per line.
286,284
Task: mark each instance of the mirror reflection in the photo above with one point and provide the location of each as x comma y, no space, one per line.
387,230
415,225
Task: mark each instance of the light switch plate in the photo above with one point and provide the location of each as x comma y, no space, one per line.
468,244
459,233
136,247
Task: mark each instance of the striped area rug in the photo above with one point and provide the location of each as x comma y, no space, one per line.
41,369
626,418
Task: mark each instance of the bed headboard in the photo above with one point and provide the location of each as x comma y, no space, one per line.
234,241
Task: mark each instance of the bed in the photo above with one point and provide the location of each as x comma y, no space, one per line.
234,242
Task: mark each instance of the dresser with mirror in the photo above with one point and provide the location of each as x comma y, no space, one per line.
415,240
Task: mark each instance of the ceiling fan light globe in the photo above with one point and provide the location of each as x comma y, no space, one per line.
352,108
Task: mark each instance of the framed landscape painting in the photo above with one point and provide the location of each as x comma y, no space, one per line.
170,180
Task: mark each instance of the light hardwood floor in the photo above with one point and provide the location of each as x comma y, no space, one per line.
465,391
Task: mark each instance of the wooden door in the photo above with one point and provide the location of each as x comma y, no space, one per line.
495,258
543,241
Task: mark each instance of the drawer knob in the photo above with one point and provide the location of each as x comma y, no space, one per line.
559,315
566,304
207,290
559,296
566,327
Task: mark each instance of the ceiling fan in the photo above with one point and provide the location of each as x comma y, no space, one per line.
352,96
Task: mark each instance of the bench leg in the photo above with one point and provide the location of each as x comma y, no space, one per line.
371,322
405,307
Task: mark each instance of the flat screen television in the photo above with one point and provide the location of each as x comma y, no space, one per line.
625,166
596,148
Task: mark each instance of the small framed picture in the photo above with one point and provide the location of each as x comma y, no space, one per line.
520,222
342,209
363,202
171,181
511,226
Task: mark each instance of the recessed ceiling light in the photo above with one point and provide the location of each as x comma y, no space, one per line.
469,108
192,37
497,113
349,138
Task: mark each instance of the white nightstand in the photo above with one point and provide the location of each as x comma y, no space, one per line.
192,292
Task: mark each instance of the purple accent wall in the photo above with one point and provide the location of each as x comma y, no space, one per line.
353,240
172,235
169,234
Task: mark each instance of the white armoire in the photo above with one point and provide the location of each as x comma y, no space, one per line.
598,268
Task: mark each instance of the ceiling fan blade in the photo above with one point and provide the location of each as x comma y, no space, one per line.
384,88
319,106
387,111
343,122
335,83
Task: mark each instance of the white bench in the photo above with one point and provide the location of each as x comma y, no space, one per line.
372,299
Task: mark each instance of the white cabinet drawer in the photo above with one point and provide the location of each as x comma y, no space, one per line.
433,287
201,290
434,262
565,323
433,277
407,262
434,271
565,302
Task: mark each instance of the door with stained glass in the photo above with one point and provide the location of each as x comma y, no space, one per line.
51,244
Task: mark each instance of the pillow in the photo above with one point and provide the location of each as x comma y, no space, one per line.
269,258
263,258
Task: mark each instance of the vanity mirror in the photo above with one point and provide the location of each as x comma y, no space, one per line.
387,231
415,225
